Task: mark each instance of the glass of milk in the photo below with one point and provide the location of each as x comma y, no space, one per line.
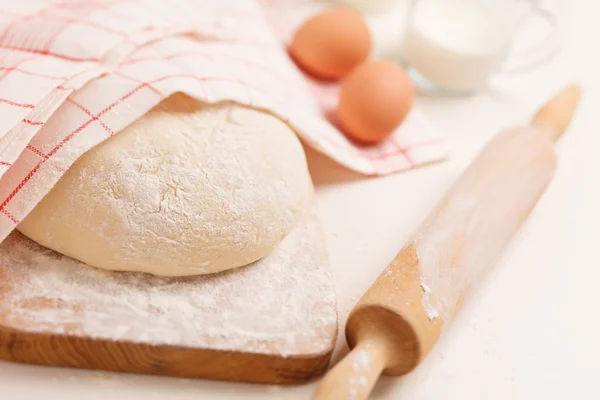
454,46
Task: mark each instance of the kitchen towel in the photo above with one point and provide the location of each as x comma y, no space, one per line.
73,73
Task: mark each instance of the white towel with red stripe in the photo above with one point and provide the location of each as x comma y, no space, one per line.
73,73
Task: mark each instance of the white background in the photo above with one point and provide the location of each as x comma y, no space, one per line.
531,330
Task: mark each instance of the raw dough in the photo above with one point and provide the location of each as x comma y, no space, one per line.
187,189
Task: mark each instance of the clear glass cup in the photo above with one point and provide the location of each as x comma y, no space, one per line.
455,46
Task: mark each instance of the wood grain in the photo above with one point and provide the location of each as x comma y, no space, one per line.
86,353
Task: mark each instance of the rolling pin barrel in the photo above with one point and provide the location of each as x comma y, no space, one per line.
422,288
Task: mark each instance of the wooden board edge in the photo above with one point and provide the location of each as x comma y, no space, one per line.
183,362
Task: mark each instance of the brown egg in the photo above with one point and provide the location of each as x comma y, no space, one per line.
332,43
374,100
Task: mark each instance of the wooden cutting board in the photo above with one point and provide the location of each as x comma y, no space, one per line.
274,321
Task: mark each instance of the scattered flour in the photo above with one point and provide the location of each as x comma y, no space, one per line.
478,216
362,361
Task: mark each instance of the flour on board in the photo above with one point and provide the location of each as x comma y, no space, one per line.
283,304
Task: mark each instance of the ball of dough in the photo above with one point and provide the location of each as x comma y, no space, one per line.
187,189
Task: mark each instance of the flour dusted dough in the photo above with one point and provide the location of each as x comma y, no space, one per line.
187,189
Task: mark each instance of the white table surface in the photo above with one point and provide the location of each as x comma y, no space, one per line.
531,330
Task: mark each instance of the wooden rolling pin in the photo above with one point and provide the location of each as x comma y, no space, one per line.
400,318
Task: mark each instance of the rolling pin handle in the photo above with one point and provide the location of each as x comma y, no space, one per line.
555,115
